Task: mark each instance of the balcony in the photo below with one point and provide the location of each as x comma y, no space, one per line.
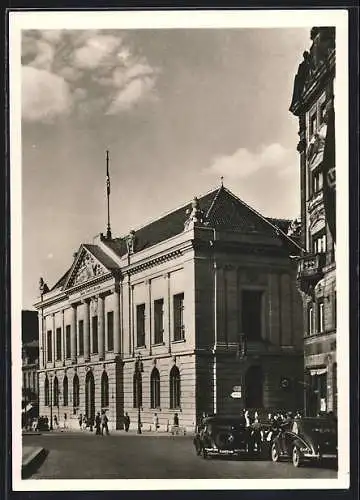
310,270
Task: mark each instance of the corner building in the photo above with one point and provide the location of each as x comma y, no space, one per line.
313,103
204,296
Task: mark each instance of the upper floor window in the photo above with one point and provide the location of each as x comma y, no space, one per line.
68,341
316,116
81,337
158,321
95,348
179,328
49,345
110,331
310,319
251,308
316,181
58,344
319,242
321,318
140,325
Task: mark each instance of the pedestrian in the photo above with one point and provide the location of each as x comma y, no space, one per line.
80,421
98,424
56,424
176,420
104,423
65,421
156,422
127,422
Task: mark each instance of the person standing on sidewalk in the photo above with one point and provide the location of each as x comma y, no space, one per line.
98,424
127,422
104,423
156,422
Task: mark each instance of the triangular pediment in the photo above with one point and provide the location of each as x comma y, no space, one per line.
85,268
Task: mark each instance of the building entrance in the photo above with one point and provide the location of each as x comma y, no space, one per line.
254,387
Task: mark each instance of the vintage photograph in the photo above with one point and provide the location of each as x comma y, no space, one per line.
179,279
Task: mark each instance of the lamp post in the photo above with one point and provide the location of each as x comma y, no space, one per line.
138,370
51,402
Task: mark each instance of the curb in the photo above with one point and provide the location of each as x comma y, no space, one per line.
33,461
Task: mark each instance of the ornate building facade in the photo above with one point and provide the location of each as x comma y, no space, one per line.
313,104
174,318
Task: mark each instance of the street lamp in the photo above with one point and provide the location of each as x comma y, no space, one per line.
138,371
51,402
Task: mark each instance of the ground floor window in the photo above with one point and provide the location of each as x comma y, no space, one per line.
76,392
155,388
65,391
47,392
104,390
175,388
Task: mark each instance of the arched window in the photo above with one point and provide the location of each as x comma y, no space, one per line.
137,390
65,391
56,391
155,388
47,392
76,391
174,387
104,390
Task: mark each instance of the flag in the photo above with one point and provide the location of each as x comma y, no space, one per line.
107,176
329,173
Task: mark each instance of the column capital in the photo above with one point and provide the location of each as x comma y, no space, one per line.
86,301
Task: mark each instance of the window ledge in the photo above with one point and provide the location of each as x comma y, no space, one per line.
178,341
158,344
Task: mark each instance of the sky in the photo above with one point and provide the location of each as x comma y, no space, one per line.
176,108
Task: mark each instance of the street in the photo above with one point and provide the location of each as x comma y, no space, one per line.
76,455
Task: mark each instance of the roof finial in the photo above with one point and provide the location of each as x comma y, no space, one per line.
222,181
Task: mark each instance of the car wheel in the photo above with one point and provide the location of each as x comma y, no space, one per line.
296,459
275,455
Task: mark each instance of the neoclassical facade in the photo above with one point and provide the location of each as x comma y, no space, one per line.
203,300
313,104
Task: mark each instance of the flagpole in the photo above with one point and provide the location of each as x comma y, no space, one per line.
108,232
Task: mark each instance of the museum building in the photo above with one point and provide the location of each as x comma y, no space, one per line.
174,318
313,103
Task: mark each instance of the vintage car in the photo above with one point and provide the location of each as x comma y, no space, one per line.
305,439
220,435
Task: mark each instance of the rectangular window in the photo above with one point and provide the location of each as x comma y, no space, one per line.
140,325
179,328
58,344
68,341
110,331
317,181
311,320
312,124
252,314
321,317
49,345
95,348
81,337
158,321
319,242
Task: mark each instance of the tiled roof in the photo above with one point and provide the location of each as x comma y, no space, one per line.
223,210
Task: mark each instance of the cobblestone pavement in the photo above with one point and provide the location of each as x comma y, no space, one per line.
129,456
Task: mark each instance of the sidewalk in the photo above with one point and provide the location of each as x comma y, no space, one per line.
131,432
31,458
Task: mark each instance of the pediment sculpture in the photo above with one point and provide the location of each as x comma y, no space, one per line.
88,268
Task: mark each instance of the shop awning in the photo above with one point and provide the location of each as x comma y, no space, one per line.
318,371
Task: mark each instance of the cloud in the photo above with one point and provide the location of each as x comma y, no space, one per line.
79,64
44,95
95,51
244,163
133,92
